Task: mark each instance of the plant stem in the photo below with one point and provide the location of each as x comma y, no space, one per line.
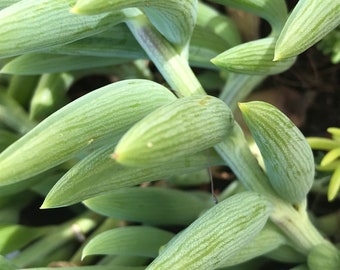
166,58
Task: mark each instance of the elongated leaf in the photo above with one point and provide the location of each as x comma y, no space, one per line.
51,22
274,11
53,63
175,19
21,89
183,127
287,156
109,110
217,235
324,256
95,267
6,138
155,206
309,22
254,57
98,174
133,240
15,237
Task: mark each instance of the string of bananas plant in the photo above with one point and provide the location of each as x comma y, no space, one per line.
93,154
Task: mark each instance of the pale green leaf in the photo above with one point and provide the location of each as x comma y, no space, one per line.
53,63
155,206
175,19
254,58
6,264
217,235
287,156
29,26
15,237
309,22
186,126
131,240
98,174
108,111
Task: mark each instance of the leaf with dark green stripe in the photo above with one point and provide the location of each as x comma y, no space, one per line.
287,156
217,235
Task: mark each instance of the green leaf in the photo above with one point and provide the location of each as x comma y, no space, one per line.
154,206
13,115
287,156
6,138
175,19
95,267
50,94
274,11
217,235
78,184
324,256
334,184
267,240
309,22
108,111
254,57
53,63
132,240
50,22
15,237
183,127
6,264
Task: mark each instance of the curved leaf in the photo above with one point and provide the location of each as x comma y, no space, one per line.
217,235
108,111
254,57
131,240
309,22
50,22
155,206
186,126
175,19
98,173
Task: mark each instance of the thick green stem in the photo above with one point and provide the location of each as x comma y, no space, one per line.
166,58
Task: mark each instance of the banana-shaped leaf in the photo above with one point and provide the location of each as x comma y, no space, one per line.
175,19
183,127
217,235
154,206
254,57
109,110
309,22
287,156
51,22
78,184
53,63
132,240
274,11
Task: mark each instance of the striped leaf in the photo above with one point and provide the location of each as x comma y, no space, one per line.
183,127
217,235
175,19
50,22
309,22
288,158
98,173
254,58
108,111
